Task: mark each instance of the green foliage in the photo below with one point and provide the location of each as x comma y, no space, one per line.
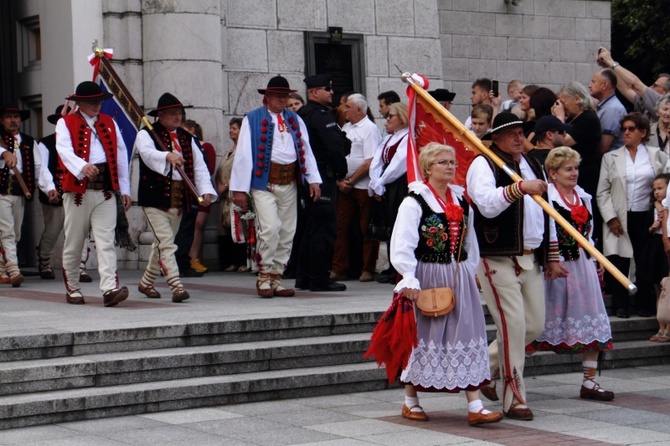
641,36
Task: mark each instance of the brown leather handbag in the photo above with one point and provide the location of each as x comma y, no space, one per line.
436,302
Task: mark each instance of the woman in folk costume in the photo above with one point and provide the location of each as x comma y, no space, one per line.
432,224
576,320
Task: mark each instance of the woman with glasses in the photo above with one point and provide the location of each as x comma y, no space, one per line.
388,179
434,245
624,191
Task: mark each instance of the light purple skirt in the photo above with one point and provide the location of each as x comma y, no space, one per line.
452,353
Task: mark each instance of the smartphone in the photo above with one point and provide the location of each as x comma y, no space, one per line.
600,50
496,93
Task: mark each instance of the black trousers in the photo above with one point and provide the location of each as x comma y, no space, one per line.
637,231
316,247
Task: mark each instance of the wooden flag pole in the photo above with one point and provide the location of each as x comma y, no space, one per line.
463,135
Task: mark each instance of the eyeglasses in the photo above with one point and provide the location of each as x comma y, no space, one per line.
449,163
629,128
328,89
390,115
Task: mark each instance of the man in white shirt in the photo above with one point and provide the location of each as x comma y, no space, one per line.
272,154
95,158
16,151
353,197
162,194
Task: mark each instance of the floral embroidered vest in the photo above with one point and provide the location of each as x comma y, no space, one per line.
436,242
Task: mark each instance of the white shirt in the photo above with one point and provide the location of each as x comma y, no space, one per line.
75,164
45,180
365,139
639,178
491,202
240,179
156,160
405,235
379,177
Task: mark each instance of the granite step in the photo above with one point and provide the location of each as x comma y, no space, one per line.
99,402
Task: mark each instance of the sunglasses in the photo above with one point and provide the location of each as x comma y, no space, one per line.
328,89
390,115
629,128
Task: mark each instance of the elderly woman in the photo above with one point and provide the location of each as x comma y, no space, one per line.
576,320
434,245
658,134
388,176
624,191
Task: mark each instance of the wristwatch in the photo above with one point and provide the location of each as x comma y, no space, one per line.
614,65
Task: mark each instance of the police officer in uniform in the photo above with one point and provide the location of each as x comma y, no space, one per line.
330,146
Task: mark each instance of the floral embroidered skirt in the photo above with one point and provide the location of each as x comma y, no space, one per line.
576,320
452,353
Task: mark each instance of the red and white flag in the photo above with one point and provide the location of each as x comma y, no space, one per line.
427,123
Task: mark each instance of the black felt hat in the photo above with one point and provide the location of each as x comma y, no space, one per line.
318,80
166,101
57,115
277,84
442,95
13,108
89,91
504,120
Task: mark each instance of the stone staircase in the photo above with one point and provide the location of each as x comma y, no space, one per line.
50,377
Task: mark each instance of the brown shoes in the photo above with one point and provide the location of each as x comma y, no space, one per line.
519,413
414,416
481,418
16,280
113,297
264,285
277,289
489,391
47,273
366,276
179,295
84,277
597,393
149,291
74,297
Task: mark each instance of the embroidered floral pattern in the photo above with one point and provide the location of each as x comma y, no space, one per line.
448,367
567,245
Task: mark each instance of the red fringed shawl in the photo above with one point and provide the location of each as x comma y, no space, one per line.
394,337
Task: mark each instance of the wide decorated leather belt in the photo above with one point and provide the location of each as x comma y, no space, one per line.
102,180
282,173
176,194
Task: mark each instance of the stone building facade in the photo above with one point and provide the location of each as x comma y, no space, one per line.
215,54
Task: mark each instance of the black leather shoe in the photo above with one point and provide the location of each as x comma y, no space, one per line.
190,272
301,284
645,313
622,314
333,286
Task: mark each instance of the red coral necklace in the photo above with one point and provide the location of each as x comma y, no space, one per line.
565,200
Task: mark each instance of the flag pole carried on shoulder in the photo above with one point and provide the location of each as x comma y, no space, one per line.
136,113
471,142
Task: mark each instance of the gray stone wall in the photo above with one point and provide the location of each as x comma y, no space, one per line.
547,42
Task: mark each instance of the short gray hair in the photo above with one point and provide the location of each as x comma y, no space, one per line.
359,101
573,89
662,100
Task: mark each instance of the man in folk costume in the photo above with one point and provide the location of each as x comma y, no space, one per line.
17,150
515,239
50,183
162,194
95,163
273,152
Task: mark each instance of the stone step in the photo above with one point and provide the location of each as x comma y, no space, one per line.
116,368
98,402
43,344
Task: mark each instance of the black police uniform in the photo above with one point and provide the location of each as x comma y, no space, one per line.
330,147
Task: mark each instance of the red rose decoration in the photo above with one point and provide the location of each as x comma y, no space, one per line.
432,230
429,242
579,214
454,212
